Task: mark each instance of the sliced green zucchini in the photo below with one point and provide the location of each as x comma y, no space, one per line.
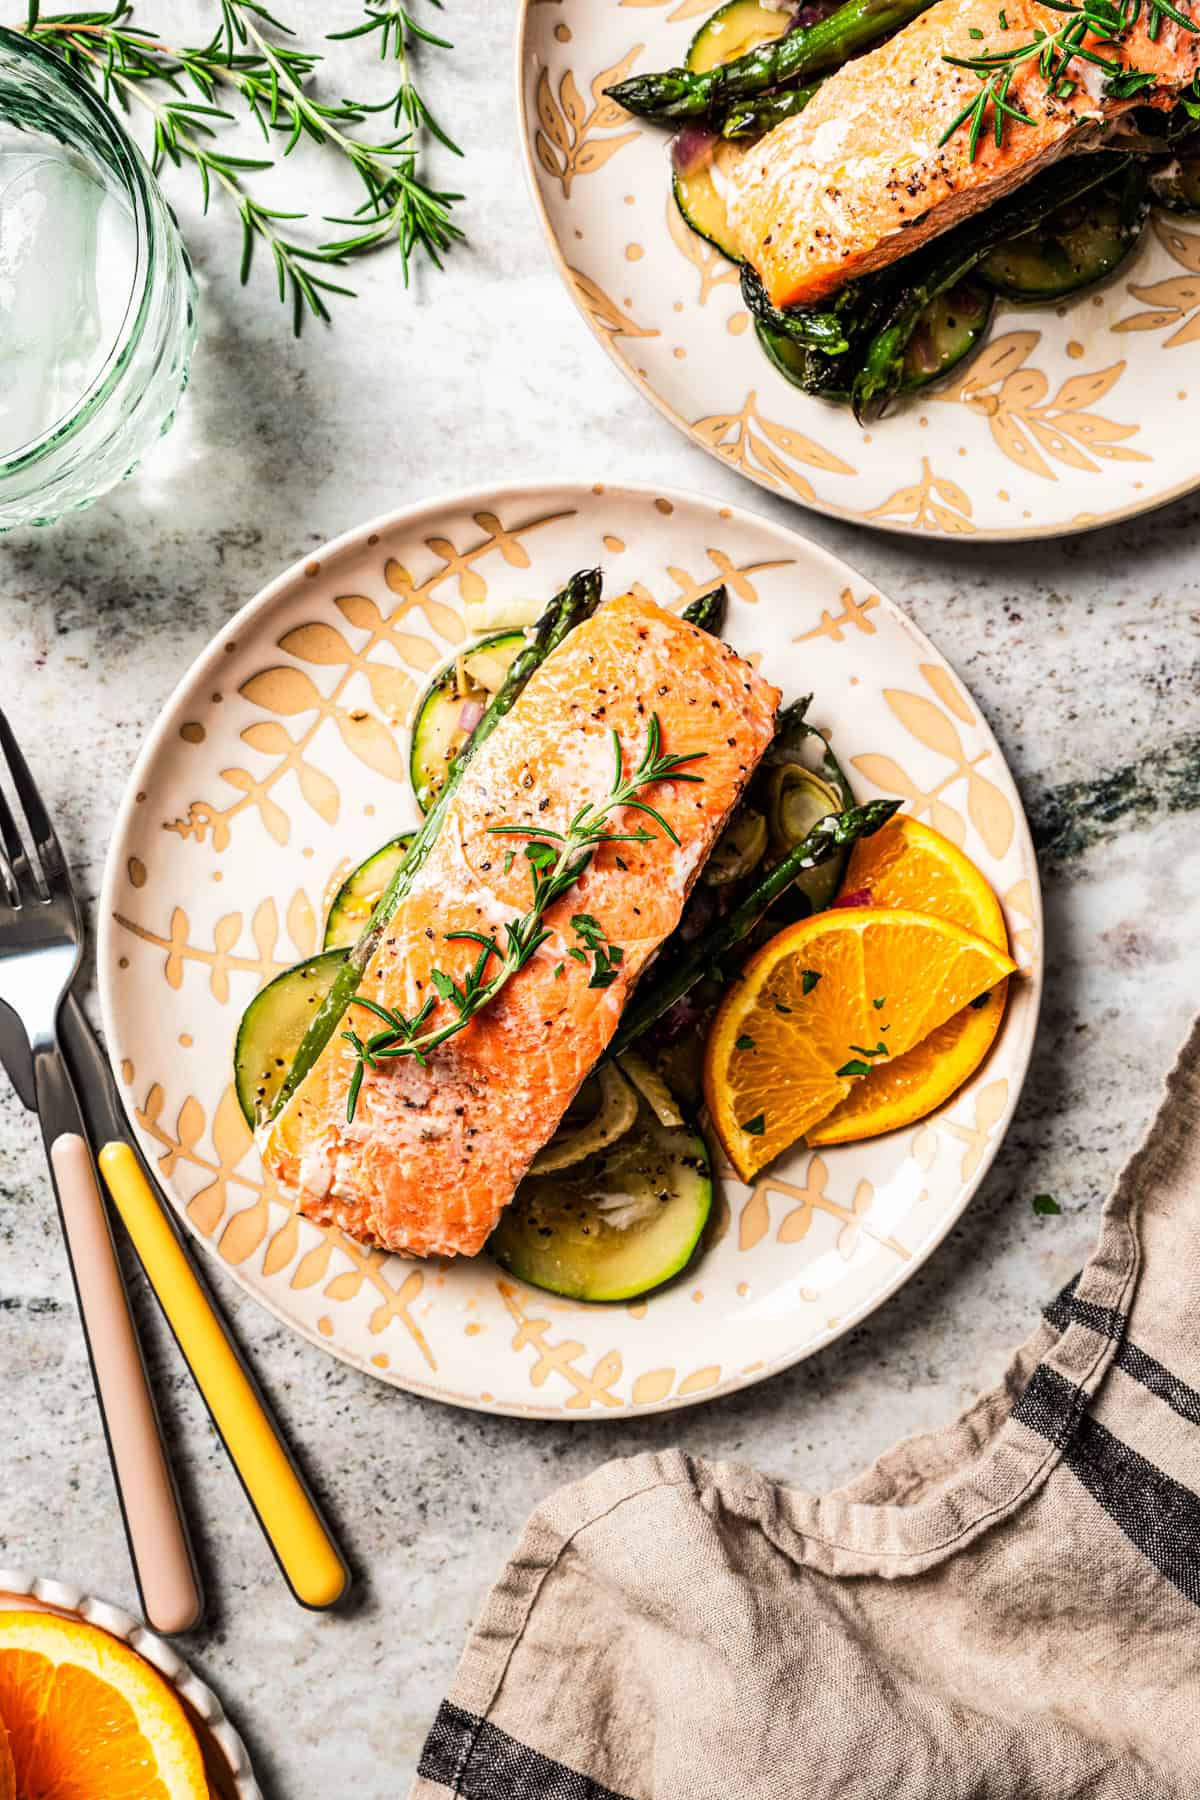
467,685
950,328
1083,242
810,370
1176,184
361,892
603,1111
272,1028
700,199
739,849
734,28
616,1225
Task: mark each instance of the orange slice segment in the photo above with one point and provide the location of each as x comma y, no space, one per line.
89,1719
908,864
911,865
821,1005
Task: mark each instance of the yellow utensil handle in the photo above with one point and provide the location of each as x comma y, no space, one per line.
307,1555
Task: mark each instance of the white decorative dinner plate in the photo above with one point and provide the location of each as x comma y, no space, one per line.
226,1762
1072,415
281,760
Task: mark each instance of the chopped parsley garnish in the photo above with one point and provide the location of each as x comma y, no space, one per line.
756,1126
975,33
855,1068
879,1050
981,1000
559,970
510,857
1045,1204
810,981
743,1043
781,1008
880,1003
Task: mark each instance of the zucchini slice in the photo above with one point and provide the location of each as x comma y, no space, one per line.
1176,184
699,198
622,1222
439,732
734,28
809,370
272,1028
1083,242
361,892
951,328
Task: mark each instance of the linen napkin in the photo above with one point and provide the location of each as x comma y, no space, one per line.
1005,1609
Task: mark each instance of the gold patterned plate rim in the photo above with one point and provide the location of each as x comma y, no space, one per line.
204,899
1027,425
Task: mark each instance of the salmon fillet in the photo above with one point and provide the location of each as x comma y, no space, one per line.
434,1154
859,179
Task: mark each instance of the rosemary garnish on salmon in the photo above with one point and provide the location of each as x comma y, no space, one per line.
1105,20
556,861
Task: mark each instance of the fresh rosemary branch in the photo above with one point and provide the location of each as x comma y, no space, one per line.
270,78
556,861
1107,21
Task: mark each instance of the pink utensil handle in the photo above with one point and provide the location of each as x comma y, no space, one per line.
158,1543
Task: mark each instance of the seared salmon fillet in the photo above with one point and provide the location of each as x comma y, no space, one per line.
859,178
434,1154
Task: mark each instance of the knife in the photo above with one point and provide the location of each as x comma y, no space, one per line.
302,1543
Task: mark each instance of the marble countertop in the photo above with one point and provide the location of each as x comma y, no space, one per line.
1084,656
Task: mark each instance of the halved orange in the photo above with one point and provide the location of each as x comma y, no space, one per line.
89,1719
911,865
819,1006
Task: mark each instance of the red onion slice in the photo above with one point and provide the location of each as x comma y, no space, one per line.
692,149
470,714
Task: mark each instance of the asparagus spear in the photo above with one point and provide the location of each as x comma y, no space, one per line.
827,837
825,330
577,601
948,259
754,118
708,612
683,94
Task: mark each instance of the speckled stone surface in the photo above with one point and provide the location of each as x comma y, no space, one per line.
1084,654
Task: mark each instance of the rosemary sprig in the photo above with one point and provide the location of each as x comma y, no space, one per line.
556,861
245,58
1107,21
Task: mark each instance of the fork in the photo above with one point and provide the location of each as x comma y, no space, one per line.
40,947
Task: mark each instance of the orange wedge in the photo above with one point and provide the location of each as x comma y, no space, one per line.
821,1005
910,865
88,1719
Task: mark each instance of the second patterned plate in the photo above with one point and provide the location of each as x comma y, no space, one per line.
1071,415
281,760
